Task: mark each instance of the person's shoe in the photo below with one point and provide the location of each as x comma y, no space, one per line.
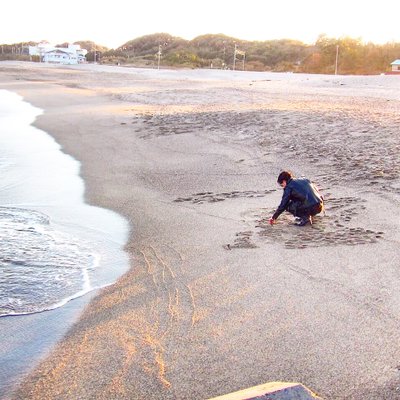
305,221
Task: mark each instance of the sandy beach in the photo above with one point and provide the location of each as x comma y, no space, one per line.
216,300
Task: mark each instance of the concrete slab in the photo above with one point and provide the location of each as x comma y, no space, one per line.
272,391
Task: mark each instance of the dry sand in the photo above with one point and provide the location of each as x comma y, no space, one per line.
216,300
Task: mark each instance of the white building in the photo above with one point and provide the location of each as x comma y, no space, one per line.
395,66
73,54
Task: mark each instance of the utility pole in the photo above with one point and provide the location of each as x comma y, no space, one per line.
337,58
223,57
159,56
234,58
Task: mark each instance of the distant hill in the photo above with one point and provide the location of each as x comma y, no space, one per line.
218,50
212,50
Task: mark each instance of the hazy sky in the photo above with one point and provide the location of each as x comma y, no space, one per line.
112,23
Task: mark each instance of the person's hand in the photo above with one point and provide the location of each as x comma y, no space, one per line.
271,221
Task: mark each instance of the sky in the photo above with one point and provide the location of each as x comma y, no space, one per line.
115,22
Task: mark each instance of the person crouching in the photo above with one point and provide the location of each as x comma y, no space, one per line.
300,198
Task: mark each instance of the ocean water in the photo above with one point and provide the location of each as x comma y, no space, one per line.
41,268
53,246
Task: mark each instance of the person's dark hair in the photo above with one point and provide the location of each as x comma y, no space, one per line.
285,176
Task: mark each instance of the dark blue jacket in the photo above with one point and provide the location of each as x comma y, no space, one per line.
301,191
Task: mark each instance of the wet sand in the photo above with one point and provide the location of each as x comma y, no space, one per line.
217,300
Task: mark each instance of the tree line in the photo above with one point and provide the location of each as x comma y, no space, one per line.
327,55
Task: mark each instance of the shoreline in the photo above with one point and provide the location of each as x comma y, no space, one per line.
191,163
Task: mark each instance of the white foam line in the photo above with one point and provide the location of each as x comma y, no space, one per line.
81,293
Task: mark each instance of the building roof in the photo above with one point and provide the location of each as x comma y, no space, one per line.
395,62
65,51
